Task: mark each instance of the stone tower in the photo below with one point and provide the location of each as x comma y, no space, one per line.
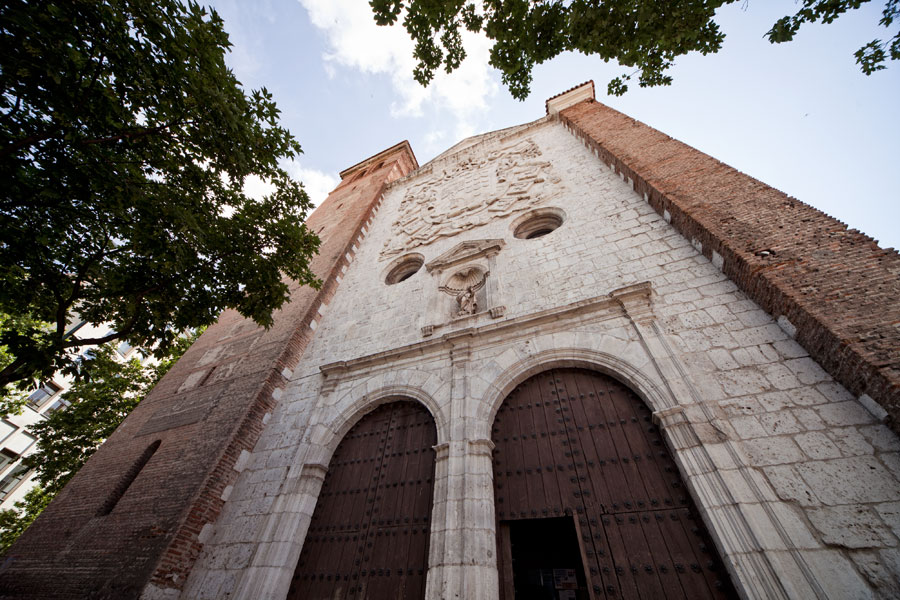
573,357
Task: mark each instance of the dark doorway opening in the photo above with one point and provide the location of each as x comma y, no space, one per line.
542,559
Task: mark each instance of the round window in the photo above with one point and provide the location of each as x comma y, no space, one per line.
538,223
403,268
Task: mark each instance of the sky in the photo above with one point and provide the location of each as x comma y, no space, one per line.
798,116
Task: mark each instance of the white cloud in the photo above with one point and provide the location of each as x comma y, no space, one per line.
317,184
356,42
256,187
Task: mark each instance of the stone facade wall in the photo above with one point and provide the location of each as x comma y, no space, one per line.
795,478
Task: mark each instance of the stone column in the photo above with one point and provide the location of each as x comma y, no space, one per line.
462,561
273,563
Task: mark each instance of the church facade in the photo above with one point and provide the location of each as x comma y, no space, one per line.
569,359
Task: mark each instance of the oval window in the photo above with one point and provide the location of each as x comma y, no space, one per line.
404,268
538,223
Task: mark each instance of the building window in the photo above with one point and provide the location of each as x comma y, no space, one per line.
42,395
538,223
58,404
6,429
7,457
404,268
12,480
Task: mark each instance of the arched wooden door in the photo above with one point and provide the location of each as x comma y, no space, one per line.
589,502
369,533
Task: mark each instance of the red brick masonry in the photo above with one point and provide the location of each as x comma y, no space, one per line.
835,285
206,412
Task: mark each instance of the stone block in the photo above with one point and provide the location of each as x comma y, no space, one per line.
807,370
772,451
845,413
780,376
881,438
850,480
809,419
807,396
851,526
880,569
790,486
776,401
890,514
850,441
747,427
777,423
835,575
740,407
742,382
873,407
722,359
817,446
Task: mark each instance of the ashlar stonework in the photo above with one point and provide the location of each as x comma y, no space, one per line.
787,458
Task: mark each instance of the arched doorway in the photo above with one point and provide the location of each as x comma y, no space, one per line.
589,502
368,537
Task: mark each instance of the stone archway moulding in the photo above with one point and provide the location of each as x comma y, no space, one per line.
749,565
273,562
650,392
359,407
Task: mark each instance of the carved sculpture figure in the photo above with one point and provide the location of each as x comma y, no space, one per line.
464,286
508,180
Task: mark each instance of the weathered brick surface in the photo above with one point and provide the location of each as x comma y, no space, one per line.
207,411
835,285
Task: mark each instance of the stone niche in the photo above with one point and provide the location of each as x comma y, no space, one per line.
465,285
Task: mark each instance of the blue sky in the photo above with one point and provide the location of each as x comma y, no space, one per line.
799,116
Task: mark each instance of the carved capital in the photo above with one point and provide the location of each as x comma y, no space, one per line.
484,447
635,300
669,416
441,451
314,470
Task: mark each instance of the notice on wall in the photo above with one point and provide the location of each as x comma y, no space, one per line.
566,595
564,579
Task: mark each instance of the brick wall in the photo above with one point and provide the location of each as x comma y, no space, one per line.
207,413
835,285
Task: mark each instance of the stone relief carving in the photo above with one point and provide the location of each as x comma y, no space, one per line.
470,193
468,273
463,286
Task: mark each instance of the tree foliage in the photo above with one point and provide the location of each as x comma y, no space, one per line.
98,403
125,143
14,521
645,35
13,401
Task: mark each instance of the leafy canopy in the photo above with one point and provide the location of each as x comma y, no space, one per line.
125,142
646,35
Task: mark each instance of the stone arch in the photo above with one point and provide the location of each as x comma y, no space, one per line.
262,578
650,391
325,436
374,490
581,466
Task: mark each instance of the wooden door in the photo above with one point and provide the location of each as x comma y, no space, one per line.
574,442
369,533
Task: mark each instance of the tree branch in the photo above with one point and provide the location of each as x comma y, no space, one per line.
30,140
133,134
8,373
